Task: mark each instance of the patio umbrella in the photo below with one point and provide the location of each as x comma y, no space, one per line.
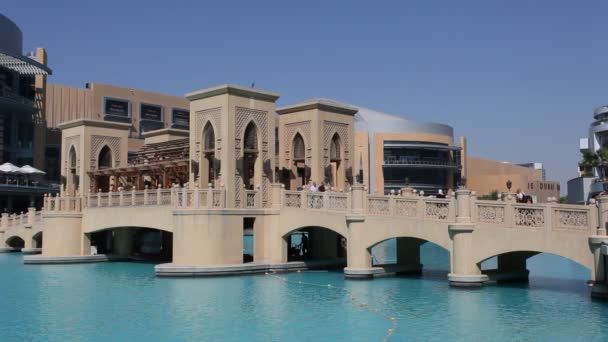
31,170
9,168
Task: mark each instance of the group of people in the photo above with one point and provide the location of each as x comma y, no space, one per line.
521,197
320,188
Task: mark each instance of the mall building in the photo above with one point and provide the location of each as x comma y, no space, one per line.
22,127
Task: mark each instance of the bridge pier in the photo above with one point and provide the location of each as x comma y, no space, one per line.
599,248
62,234
408,256
465,272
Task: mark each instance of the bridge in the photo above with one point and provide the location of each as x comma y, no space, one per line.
207,234
189,203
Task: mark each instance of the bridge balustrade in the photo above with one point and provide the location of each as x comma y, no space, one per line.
549,216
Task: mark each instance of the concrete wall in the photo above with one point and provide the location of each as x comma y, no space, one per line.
485,176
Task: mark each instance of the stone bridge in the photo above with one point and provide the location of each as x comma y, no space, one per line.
207,236
21,232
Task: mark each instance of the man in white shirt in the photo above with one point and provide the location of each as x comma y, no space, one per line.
313,187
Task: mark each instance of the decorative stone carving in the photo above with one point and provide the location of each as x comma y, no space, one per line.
260,119
330,128
405,208
289,134
529,217
213,115
437,210
69,142
98,142
491,214
572,220
378,206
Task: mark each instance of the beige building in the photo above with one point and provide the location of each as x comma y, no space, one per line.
142,111
486,176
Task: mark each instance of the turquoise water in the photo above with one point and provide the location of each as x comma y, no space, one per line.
125,302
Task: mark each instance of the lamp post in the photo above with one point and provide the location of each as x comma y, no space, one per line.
509,184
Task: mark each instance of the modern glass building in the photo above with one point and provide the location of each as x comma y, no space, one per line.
395,152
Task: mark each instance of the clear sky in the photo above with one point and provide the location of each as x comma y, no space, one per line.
520,79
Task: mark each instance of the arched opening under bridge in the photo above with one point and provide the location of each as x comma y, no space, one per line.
316,245
539,269
15,242
410,255
134,243
37,240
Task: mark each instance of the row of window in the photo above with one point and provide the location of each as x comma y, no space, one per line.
120,110
544,186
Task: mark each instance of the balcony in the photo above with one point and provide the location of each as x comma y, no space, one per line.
414,162
11,96
600,112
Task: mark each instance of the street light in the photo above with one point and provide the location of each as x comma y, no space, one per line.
509,184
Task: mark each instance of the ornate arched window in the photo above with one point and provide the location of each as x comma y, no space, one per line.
72,159
105,158
208,137
299,150
251,138
334,150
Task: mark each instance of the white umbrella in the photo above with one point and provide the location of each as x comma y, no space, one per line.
9,168
31,170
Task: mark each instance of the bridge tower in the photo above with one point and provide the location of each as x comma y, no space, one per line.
232,140
316,144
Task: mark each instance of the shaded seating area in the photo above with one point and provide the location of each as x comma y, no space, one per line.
155,165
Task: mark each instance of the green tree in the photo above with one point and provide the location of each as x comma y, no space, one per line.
591,160
492,196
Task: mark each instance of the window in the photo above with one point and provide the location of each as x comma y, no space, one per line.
208,138
251,138
105,158
298,148
334,151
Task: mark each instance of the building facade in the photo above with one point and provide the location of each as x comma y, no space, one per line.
22,100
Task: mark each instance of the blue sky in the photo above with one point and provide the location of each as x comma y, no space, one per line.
520,79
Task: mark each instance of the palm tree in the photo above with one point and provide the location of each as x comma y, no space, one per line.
590,160
602,155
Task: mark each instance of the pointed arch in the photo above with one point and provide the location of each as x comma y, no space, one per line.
250,137
335,148
298,147
72,159
208,137
104,159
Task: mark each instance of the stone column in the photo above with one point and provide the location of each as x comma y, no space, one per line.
464,270
602,206
359,258
276,195
599,248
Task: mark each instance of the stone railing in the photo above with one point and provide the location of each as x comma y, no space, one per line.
129,198
57,203
439,209
198,198
549,216
330,201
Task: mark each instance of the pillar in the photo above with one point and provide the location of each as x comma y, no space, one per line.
599,248
464,270
62,234
359,257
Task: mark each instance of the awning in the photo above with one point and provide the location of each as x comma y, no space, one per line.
23,65
436,147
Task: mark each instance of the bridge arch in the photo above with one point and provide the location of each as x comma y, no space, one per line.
315,243
133,242
15,241
521,255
